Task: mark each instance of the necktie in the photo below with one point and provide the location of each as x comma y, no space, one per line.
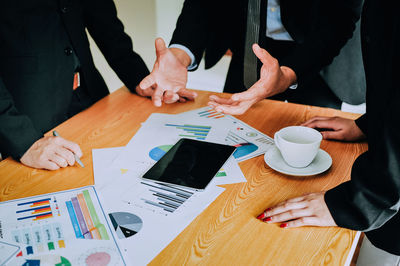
252,35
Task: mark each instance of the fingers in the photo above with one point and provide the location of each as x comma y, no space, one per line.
66,154
188,94
234,109
295,203
332,129
310,209
170,97
321,122
219,100
72,146
49,165
147,82
51,153
263,55
144,92
157,97
303,221
288,215
255,92
58,160
314,119
333,135
161,48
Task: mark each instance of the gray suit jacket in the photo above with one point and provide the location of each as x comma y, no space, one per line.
345,76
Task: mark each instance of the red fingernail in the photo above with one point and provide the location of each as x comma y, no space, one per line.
268,209
268,219
284,225
261,216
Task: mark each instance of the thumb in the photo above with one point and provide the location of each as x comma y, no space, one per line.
262,54
161,48
252,93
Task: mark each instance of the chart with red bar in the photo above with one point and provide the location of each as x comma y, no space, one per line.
34,210
62,228
210,113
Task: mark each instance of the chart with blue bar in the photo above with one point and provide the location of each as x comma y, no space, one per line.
59,229
192,131
210,113
34,210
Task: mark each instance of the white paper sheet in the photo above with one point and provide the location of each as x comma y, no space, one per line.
150,231
7,252
249,141
67,227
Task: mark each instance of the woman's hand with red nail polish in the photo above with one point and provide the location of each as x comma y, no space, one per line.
307,210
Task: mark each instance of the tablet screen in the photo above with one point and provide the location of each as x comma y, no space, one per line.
190,163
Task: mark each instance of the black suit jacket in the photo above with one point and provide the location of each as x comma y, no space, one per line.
319,29
371,200
36,65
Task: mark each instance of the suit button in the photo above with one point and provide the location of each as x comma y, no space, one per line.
64,9
68,51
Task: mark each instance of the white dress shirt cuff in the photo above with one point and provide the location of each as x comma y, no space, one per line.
193,63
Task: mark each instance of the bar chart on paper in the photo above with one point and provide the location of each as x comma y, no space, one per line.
34,210
249,141
159,198
210,113
45,228
84,218
191,131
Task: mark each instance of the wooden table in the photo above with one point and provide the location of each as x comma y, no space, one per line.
227,232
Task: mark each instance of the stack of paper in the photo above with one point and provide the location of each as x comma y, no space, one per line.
146,215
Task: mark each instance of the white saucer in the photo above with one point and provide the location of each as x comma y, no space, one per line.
320,164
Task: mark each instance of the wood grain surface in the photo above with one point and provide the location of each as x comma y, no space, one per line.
227,232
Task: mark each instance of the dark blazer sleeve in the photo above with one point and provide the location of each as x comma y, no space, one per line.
108,33
333,23
192,26
362,123
372,198
17,132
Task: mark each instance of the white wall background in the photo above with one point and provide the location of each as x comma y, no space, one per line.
144,20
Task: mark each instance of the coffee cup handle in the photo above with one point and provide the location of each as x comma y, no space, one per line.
276,140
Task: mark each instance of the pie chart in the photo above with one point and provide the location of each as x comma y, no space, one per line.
158,152
244,149
125,224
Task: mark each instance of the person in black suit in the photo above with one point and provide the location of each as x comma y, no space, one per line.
370,201
43,44
309,35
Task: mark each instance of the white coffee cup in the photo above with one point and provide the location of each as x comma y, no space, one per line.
298,145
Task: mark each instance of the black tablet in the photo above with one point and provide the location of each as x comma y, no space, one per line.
190,163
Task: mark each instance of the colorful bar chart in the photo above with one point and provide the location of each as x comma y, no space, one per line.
84,218
34,210
211,113
192,131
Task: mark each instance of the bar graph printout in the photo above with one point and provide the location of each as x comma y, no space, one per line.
63,228
249,141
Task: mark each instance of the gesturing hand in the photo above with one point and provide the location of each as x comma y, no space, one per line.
310,209
51,153
336,128
167,81
274,79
